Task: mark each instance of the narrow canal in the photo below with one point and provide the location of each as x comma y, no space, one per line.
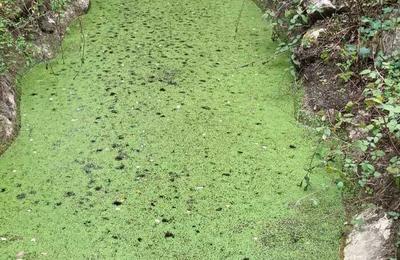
164,144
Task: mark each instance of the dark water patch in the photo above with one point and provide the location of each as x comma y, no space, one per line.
69,194
21,196
169,235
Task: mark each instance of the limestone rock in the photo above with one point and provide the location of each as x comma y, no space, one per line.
369,240
78,7
311,37
8,108
319,8
82,5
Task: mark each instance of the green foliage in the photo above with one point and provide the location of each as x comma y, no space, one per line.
381,77
58,5
372,26
289,21
382,97
13,32
375,116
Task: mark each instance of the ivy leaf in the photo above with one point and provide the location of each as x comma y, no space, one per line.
304,18
391,109
362,145
370,102
365,72
387,10
393,170
377,174
364,52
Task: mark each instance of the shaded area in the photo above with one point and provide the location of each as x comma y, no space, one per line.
162,147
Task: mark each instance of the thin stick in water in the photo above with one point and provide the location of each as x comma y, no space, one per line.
238,19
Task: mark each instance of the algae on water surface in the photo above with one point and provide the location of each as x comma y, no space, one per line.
164,145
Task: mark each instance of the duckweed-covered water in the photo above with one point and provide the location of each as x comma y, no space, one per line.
164,144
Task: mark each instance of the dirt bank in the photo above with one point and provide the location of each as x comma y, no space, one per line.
333,45
43,33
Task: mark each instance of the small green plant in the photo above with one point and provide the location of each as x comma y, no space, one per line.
394,215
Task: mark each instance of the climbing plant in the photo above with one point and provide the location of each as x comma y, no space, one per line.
364,135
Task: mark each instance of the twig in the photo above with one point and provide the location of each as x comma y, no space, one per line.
262,63
306,178
83,41
83,45
59,34
388,131
303,198
238,19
